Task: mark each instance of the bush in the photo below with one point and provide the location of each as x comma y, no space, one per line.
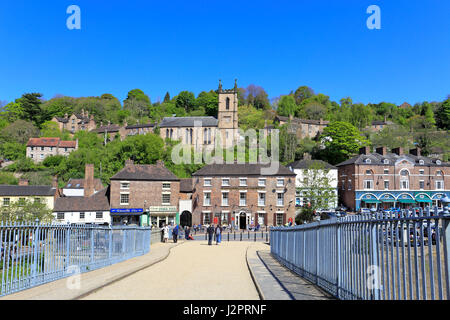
8,178
306,214
52,161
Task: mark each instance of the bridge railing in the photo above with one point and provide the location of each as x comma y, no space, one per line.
380,256
33,254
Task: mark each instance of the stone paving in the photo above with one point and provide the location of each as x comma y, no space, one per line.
276,282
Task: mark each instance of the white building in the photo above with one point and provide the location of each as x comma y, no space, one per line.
302,169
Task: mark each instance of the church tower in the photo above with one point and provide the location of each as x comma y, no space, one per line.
228,115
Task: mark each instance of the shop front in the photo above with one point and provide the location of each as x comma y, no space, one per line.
129,217
160,215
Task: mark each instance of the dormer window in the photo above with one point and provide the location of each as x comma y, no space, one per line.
421,162
368,161
438,162
386,161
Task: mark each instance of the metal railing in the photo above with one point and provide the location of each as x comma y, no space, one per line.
34,254
380,256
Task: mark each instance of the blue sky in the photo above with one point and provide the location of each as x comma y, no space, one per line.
161,46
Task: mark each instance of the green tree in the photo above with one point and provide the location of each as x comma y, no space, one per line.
287,106
302,93
8,178
209,101
185,100
341,140
138,103
26,212
166,97
443,115
19,131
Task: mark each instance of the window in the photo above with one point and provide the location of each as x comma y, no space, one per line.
386,171
37,200
6,202
386,161
243,182
65,149
41,156
32,156
42,148
421,184
225,199
207,199
32,148
228,104
421,172
262,182
386,184
280,182
166,198
368,172
206,219
349,184
205,136
343,184
368,161
261,199
82,215
421,162
439,185
438,162
243,199
21,202
124,198
99,215
124,185
404,173
280,199
166,185
60,216
439,173
207,182
280,217
404,184
226,182
224,217
368,184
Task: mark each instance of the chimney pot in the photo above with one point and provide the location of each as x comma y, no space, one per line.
382,151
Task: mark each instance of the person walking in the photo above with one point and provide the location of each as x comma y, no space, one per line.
165,231
218,234
175,233
186,233
210,232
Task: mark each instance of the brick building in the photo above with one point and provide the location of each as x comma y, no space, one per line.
76,122
386,180
142,192
241,195
303,128
40,148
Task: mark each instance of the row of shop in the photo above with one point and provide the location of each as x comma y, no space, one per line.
402,200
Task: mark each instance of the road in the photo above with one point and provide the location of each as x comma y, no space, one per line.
192,271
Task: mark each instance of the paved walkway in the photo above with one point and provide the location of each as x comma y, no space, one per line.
59,290
193,271
276,282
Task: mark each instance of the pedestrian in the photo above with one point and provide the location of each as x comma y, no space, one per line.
175,234
210,232
186,233
165,230
218,234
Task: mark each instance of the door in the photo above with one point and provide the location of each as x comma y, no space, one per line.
242,221
186,219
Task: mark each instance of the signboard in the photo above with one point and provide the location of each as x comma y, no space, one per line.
163,209
216,220
127,210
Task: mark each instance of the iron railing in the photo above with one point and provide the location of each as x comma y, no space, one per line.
33,254
380,256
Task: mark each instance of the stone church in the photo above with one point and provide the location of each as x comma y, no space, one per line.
203,132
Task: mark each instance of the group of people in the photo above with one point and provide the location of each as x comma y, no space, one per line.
217,231
211,230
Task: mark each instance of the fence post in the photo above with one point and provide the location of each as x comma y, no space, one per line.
124,242
338,263
35,252
317,254
110,244
92,245
67,246
374,258
446,240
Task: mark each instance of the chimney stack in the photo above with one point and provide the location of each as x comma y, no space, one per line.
23,182
89,180
291,117
382,151
364,150
129,162
398,151
160,163
82,112
415,152
306,156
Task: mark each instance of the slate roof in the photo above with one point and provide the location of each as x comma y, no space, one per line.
67,144
379,122
137,126
186,185
79,184
378,159
306,164
97,202
145,172
51,142
242,170
307,121
12,190
188,122
108,128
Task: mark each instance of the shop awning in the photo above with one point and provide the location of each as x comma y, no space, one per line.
407,201
371,201
424,200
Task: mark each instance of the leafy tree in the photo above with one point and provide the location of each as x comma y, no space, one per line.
26,212
250,118
315,111
58,107
51,129
166,97
138,103
286,106
20,131
305,215
12,150
53,161
443,115
302,93
209,101
185,100
341,140
8,178
31,106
